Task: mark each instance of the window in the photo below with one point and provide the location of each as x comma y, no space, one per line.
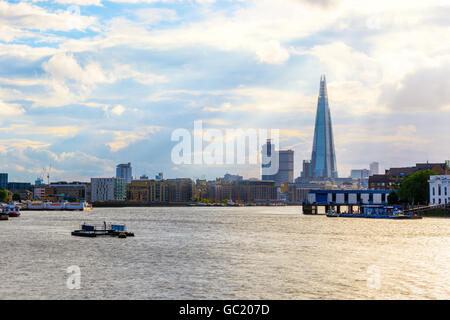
370,197
345,197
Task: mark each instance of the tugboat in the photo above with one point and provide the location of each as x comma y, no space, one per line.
113,230
11,210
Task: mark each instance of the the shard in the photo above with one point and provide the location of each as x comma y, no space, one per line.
323,160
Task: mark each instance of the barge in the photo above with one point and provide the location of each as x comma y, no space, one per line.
112,230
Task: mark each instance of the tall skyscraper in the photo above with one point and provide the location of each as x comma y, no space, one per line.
323,160
374,168
124,171
3,181
277,165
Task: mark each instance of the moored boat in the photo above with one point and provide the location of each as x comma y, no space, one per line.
375,212
58,206
11,209
114,230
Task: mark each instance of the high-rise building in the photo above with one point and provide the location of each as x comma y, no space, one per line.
306,172
124,171
374,168
286,166
323,160
359,173
277,165
3,181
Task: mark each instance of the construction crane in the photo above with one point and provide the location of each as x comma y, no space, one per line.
46,173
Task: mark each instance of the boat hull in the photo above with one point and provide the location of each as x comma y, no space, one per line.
373,216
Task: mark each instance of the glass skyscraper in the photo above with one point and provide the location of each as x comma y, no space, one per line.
323,159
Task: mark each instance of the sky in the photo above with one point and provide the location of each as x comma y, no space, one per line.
88,84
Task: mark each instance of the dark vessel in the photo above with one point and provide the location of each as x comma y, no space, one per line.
113,230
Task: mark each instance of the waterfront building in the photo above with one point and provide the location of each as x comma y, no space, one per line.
147,191
180,190
323,158
108,189
244,191
392,176
39,192
439,189
277,165
3,181
124,171
19,187
374,168
70,191
348,197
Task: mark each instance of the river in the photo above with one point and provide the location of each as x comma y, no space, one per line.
224,253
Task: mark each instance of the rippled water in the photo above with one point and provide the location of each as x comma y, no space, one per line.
225,253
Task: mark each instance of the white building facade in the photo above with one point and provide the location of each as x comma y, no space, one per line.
374,168
108,189
439,189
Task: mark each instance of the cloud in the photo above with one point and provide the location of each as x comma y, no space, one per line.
118,110
425,90
26,15
7,109
123,138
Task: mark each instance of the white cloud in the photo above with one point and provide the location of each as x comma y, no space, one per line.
7,109
26,15
118,110
122,138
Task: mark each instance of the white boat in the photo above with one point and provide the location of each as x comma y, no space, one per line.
10,209
83,206
54,205
35,206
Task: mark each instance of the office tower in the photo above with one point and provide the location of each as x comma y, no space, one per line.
306,172
3,181
374,168
277,165
323,160
124,171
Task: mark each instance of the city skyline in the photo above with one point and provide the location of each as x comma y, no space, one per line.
78,92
